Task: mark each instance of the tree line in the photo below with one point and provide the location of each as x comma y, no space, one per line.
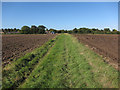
27,30
43,30
87,31
94,31
10,30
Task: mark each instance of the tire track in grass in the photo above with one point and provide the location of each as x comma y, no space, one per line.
40,60
42,73
61,68
50,71
80,68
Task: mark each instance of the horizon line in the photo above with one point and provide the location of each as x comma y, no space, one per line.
66,29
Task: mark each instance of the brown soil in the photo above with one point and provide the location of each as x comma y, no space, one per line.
105,45
14,46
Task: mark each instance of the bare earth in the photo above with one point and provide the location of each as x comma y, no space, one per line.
105,45
14,46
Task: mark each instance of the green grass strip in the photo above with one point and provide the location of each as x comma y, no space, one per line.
70,64
14,74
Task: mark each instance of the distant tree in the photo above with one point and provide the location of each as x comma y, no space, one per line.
62,31
15,30
101,31
41,29
70,31
75,30
9,30
106,30
18,30
118,32
3,30
94,29
25,30
65,31
6,30
47,29
51,30
58,31
33,29
83,30
114,31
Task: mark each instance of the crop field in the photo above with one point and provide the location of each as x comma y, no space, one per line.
105,45
63,62
14,46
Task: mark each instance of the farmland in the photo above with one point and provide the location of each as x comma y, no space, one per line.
63,62
14,46
105,45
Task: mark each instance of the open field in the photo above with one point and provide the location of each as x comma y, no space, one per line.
15,73
60,63
105,45
14,46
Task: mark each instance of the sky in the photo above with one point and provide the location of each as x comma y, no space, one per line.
60,0
60,15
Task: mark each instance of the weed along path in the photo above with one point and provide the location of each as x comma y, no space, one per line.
60,63
69,64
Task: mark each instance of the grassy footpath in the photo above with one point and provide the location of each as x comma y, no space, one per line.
15,74
69,64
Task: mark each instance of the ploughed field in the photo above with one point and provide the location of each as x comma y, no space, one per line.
106,45
62,62
14,46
